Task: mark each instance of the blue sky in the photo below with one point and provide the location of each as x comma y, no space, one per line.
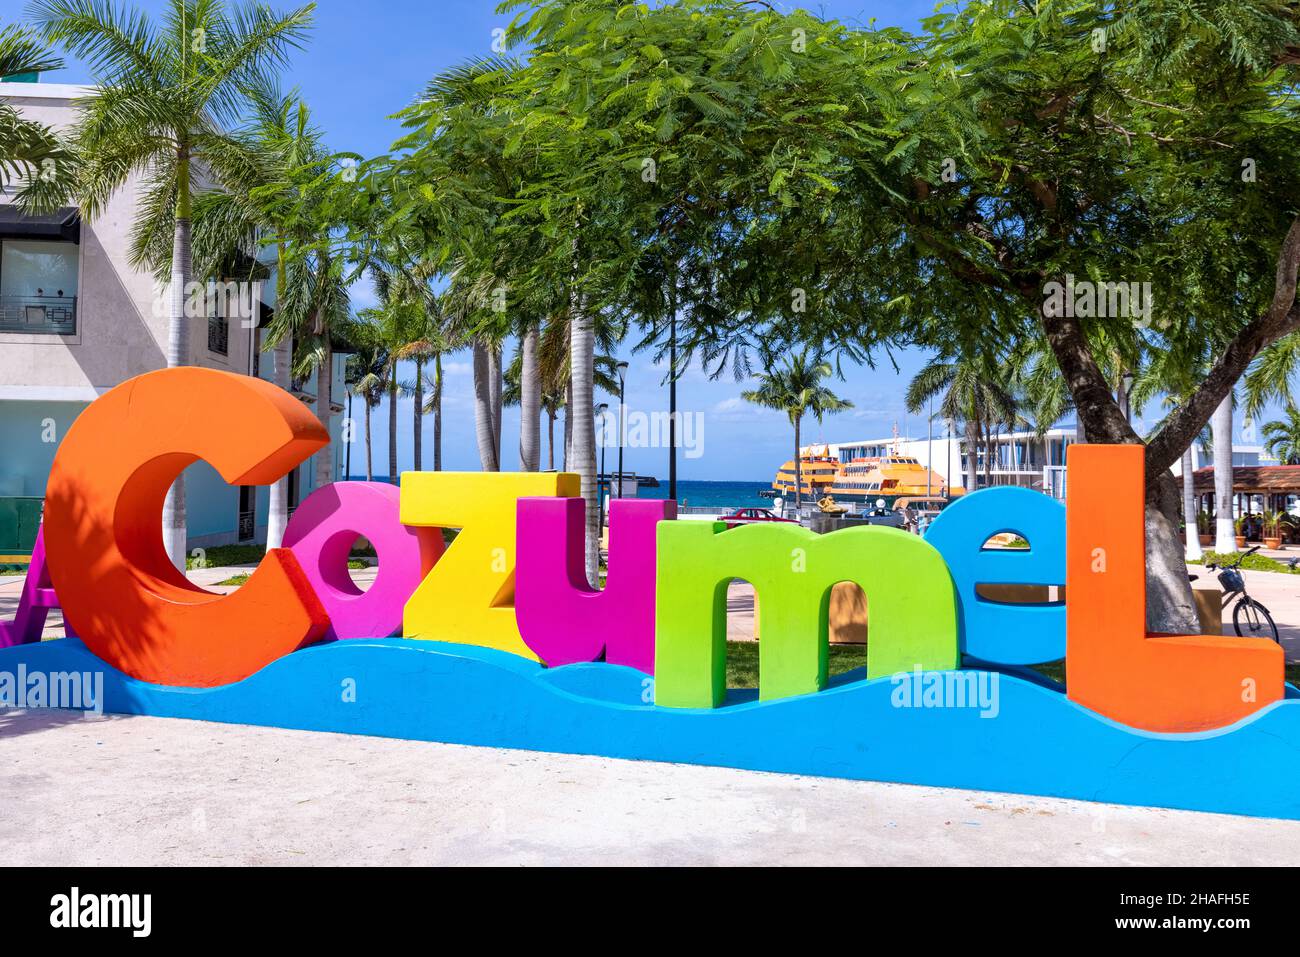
368,60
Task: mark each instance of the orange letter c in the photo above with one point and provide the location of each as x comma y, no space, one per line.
103,531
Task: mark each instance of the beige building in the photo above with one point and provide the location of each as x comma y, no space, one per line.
76,319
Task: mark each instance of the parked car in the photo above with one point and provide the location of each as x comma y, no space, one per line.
750,516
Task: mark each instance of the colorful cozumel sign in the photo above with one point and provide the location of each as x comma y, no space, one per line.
504,643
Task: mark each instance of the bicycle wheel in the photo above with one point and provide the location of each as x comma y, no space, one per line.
1250,619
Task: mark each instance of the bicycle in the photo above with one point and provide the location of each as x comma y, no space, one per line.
1250,619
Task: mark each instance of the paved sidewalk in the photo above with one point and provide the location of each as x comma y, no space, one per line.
158,791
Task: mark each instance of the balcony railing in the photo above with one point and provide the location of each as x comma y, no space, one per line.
47,315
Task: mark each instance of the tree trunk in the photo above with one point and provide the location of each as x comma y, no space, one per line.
550,440
798,469
324,383
1191,531
1170,606
437,413
418,438
582,359
1225,541
392,426
568,424
483,430
530,403
370,458
494,394
1169,594
178,354
972,452
277,519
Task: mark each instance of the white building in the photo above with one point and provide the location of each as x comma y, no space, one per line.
1025,459
76,320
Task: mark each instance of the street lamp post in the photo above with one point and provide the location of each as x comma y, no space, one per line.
600,412
622,405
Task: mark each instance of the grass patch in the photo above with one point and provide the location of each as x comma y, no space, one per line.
1056,671
742,662
353,563
219,555
1256,563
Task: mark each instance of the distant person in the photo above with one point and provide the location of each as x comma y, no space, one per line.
909,520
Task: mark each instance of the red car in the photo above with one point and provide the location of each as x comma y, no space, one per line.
748,516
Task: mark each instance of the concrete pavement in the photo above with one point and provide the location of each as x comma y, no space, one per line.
136,790
157,791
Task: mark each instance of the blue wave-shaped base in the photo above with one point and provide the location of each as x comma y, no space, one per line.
1039,743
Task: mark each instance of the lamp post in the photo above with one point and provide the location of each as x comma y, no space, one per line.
672,400
600,412
622,388
929,450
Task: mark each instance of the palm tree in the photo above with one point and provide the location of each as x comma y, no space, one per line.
283,153
30,151
165,96
1282,437
433,405
552,375
368,379
972,389
797,391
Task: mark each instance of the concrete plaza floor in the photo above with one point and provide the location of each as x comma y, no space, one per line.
133,790
137,790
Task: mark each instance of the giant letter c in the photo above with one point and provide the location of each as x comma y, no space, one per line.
103,532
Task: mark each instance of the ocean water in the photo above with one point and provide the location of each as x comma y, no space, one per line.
689,492
713,494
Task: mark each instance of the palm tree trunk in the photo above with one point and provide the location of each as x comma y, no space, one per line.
568,424
370,458
494,394
530,403
1221,427
483,430
277,519
798,470
1193,547
392,426
972,452
582,357
418,438
324,382
178,354
437,413
550,439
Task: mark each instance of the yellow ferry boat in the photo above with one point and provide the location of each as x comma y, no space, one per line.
863,480
890,477
819,472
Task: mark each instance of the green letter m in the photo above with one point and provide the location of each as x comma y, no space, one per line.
911,605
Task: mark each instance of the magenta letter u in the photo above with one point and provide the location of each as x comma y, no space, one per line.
562,618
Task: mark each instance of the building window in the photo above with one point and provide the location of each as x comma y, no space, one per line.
38,286
247,512
219,335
